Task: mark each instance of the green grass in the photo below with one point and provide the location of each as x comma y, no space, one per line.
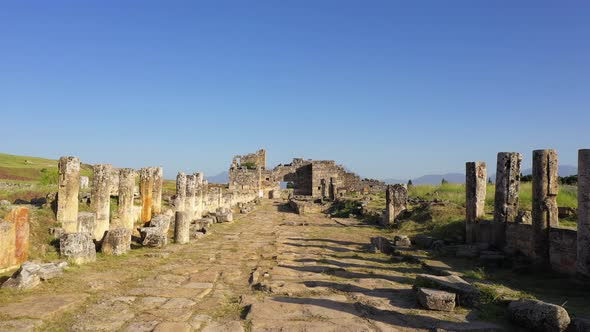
32,169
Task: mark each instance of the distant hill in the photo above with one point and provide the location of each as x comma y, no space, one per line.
564,170
220,178
432,179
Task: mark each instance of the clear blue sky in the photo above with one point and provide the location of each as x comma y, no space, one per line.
391,89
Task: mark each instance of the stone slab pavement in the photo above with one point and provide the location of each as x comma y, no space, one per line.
270,270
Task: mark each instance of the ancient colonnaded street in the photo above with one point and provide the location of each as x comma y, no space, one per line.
270,270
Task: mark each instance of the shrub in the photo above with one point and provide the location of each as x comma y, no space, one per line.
49,176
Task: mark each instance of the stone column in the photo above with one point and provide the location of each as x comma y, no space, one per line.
67,197
157,195
19,216
181,191
544,214
583,243
199,196
182,225
146,189
101,199
126,191
507,186
191,188
396,198
475,190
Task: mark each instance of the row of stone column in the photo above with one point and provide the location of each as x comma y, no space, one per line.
69,183
545,188
190,191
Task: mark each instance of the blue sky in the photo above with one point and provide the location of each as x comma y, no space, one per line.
391,89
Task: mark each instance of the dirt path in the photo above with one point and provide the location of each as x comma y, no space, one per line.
268,271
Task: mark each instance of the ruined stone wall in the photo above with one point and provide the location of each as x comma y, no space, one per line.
257,159
519,239
541,240
563,249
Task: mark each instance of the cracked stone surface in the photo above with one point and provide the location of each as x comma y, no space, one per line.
258,273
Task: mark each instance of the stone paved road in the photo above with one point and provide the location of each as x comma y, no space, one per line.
271,270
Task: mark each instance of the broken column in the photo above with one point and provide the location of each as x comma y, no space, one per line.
583,242
475,189
157,194
146,189
101,199
182,225
507,186
67,197
180,191
126,190
116,242
191,188
78,248
19,216
7,245
544,214
396,198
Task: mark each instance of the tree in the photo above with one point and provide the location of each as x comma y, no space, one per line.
444,181
410,183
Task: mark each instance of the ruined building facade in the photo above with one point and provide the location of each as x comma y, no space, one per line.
315,178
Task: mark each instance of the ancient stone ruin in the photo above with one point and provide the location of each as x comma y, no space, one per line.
541,240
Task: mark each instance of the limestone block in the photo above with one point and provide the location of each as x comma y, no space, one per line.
153,237
436,300
26,277
51,270
538,315
117,242
162,221
467,294
19,216
7,245
86,222
78,248
402,241
224,215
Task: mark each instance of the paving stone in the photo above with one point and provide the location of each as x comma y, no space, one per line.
178,303
43,307
20,325
233,326
173,327
199,321
141,326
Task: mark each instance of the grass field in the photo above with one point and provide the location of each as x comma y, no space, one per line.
31,169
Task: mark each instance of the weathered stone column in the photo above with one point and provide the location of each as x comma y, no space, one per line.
475,190
583,242
199,196
67,197
191,188
101,199
146,189
396,197
126,190
182,225
507,186
19,216
544,214
157,195
181,191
